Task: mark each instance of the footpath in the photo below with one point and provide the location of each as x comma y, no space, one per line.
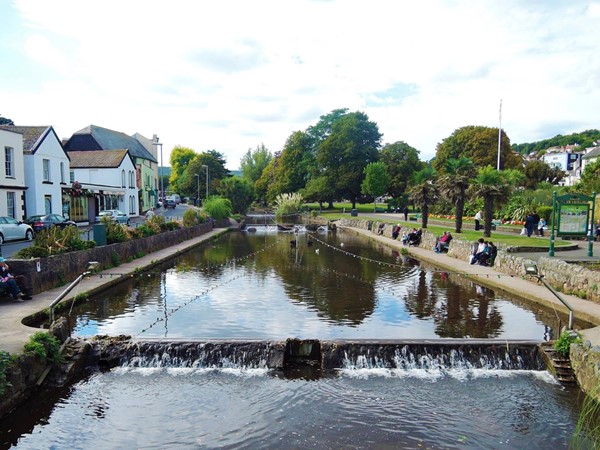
14,334
524,287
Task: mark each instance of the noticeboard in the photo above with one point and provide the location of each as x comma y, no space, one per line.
573,219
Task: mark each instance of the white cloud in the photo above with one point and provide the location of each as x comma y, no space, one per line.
230,75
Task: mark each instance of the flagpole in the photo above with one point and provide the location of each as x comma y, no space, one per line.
500,134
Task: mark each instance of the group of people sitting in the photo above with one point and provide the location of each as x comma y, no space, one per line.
413,238
484,253
15,285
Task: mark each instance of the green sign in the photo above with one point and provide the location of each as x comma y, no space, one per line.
573,219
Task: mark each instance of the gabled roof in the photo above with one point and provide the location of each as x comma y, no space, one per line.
594,153
100,159
32,136
96,138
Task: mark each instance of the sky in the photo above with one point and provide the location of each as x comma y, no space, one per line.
231,75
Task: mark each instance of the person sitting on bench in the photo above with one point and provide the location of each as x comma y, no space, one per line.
12,284
443,242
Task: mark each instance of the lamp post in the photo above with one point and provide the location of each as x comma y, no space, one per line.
197,195
531,269
162,191
204,166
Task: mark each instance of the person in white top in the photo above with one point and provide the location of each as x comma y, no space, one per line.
477,220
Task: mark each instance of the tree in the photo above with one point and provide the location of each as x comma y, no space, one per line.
538,171
319,132
590,178
454,182
491,185
180,158
376,182
353,144
293,165
319,189
254,162
6,121
215,162
401,161
478,143
424,191
239,191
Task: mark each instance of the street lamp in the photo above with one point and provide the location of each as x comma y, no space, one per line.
162,191
198,195
206,167
531,269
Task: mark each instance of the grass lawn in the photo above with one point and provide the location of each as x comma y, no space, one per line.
510,239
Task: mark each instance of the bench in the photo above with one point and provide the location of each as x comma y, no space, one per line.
415,217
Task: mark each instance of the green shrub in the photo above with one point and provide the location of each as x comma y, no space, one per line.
144,230
115,259
218,208
116,232
54,241
44,346
563,343
545,212
5,363
288,204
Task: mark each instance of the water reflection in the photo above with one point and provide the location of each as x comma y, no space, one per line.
337,286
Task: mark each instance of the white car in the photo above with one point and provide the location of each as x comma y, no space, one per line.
12,230
115,215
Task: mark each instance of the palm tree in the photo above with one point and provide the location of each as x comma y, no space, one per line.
490,184
424,191
454,183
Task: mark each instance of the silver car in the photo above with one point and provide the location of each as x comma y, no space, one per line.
12,230
115,215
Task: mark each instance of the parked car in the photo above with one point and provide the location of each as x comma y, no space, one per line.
41,222
170,203
115,215
12,230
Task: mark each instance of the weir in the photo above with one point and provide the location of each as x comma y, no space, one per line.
321,355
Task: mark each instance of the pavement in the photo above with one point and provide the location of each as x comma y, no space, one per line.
14,334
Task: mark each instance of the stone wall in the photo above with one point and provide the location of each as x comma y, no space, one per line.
585,360
564,277
52,271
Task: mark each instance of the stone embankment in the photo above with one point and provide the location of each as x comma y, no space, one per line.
562,276
567,278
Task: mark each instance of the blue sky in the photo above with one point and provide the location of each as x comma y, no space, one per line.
232,75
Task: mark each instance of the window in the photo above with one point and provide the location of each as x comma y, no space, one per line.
10,205
62,172
46,166
9,155
131,179
122,178
48,204
71,176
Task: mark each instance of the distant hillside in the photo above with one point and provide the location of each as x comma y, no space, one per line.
584,139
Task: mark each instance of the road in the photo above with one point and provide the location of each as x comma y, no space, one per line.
87,232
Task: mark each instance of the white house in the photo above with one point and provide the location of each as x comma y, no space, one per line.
12,175
590,157
46,170
105,179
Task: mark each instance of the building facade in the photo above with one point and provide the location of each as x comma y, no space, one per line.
12,175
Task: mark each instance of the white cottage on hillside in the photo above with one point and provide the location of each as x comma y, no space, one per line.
102,179
12,175
46,170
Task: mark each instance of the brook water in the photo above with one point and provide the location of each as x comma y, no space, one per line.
331,286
